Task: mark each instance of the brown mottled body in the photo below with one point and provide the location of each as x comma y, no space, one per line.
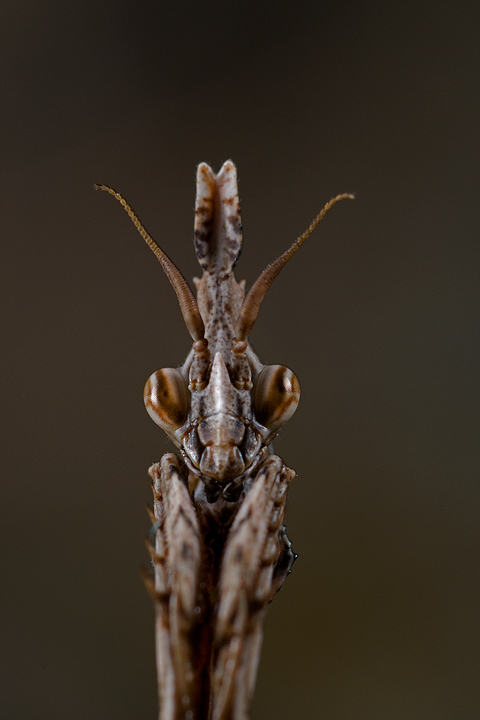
220,550
213,582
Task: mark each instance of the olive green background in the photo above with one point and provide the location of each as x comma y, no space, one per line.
378,317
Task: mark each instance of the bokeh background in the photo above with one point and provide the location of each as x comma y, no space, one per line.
378,317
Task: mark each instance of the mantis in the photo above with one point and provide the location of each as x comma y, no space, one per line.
218,545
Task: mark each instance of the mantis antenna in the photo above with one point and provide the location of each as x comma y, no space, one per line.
186,299
251,304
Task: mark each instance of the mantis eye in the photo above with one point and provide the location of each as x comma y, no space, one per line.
276,396
167,399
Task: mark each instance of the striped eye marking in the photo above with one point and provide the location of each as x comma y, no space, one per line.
276,396
167,398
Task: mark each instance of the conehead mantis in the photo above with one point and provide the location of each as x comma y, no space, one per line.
218,544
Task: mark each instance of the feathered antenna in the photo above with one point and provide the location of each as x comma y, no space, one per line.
251,305
188,304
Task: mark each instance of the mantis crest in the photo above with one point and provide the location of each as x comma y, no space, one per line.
218,544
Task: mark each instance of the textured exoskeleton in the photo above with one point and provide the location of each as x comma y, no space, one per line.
219,546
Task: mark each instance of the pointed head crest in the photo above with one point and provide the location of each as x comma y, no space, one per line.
218,223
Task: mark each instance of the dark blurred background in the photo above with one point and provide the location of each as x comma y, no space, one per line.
377,316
